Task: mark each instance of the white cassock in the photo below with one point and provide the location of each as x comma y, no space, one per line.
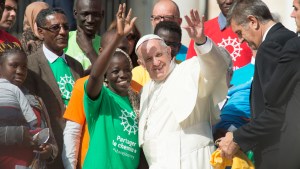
177,113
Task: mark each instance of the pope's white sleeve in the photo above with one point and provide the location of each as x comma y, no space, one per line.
72,135
204,48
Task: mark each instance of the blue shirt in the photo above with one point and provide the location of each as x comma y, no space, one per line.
181,55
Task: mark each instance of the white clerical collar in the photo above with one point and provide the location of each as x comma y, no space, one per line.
51,57
265,35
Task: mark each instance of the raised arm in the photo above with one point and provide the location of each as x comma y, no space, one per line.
195,27
213,60
124,26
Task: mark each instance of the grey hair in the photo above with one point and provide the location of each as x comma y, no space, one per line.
241,9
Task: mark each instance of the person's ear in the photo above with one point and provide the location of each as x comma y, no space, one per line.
74,13
140,62
179,21
253,22
169,51
100,50
40,33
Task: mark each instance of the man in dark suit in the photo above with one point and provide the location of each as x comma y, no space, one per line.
252,21
52,73
286,80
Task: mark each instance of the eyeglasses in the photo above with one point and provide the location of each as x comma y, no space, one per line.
166,17
56,27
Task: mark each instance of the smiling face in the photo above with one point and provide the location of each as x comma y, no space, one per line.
55,33
155,56
224,5
14,67
119,74
89,15
9,14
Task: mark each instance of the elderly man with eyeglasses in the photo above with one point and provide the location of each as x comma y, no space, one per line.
162,11
52,73
168,11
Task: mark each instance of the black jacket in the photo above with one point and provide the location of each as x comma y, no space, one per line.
262,133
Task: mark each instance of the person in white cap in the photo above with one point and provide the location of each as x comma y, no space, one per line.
175,116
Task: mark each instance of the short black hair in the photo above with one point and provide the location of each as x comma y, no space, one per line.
7,48
106,37
41,17
168,26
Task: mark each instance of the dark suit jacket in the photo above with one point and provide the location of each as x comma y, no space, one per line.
41,81
285,81
261,134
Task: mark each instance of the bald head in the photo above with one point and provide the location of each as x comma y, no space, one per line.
165,10
88,15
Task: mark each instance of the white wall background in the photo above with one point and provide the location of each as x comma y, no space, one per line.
143,10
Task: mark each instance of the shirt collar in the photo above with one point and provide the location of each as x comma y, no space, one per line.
265,35
51,57
222,21
253,60
2,80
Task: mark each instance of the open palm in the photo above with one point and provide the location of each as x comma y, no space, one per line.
124,23
195,27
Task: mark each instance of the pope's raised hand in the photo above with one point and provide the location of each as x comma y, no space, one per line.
195,27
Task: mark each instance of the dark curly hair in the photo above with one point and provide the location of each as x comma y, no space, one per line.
8,48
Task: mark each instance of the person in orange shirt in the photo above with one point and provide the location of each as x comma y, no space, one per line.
76,136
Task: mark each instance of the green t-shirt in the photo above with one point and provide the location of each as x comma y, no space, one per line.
113,128
75,52
63,77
